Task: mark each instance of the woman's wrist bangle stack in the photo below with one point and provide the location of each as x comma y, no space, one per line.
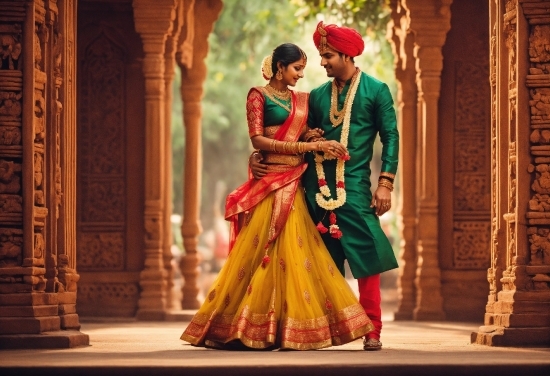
288,147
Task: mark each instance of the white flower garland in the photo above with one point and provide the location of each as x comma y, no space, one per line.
330,203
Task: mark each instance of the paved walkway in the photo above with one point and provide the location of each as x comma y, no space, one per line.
153,348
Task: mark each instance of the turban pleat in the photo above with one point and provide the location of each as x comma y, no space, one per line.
343,39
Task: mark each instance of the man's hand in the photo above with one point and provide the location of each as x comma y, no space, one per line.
314,135
381,200
258,169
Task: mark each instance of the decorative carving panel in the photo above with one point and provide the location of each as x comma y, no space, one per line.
471,242
11,150
538,82
472,192
472,90
101,153
103,201
471,166
101,251
11,247
107,299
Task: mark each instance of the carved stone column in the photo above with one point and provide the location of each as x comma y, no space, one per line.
200,16
169,71
37,237
154,22
429,21
403,43
517,311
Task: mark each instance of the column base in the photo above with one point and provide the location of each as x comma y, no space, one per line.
493,335
61,339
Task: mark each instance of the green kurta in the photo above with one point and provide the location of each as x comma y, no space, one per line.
363,243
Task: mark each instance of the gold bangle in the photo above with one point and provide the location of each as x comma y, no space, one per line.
320,146
385,183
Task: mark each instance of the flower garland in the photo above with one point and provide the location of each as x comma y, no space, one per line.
324,199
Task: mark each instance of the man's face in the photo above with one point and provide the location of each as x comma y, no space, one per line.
333,63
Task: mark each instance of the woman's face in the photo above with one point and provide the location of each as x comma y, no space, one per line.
293,72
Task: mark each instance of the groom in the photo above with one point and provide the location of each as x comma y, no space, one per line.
352,109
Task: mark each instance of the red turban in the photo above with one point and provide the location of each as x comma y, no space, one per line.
343,39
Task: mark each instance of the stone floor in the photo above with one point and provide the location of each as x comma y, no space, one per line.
153,348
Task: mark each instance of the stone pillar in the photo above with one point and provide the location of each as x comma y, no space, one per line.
37,216
200,16
169,71
429,21
154,22
403,43
517,311
65,171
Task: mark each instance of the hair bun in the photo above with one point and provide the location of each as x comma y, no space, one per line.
267,72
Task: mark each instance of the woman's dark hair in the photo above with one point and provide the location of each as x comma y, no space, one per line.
286,53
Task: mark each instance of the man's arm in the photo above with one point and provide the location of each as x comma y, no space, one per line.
389,136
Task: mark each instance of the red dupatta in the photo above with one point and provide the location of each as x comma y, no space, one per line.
284,181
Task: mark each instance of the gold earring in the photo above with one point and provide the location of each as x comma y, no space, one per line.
279,75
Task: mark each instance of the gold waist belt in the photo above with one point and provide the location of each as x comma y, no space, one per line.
283,159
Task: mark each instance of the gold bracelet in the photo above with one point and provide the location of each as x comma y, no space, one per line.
296,147
272,145
320,146
385,183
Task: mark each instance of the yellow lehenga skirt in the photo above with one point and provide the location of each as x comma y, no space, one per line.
299,300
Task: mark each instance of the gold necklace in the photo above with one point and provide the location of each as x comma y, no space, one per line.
278,96
337,116
283,95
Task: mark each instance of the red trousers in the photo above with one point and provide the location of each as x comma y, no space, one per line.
369,297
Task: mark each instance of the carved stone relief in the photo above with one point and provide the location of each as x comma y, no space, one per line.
118,293
11,200
471,244
102,251
539,204
11,247
102,187
471,161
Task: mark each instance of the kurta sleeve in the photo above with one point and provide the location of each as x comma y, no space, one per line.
255,113
386,123
311,122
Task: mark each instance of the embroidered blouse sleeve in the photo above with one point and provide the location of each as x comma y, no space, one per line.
255,113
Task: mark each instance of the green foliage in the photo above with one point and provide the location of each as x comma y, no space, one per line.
369,17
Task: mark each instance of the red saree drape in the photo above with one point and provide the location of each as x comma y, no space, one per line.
284,181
